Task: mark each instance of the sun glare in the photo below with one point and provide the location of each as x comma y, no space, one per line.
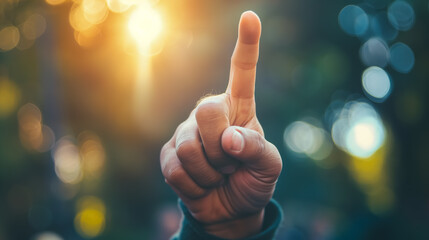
145,26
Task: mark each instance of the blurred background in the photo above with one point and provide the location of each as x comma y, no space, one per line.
91,89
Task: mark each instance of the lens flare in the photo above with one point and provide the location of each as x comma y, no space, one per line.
145,26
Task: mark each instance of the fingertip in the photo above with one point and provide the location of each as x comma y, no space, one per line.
249,28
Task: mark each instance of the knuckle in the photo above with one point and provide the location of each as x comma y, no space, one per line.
209,110
187,149
175,175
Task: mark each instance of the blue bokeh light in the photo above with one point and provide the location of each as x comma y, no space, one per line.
401,57
353,20
374,52
401,15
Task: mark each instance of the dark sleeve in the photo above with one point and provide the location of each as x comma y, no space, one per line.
192,230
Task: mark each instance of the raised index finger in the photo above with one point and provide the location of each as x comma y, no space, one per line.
245,57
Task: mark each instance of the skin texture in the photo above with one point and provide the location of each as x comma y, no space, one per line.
218,161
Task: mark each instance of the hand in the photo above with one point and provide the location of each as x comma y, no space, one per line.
218,161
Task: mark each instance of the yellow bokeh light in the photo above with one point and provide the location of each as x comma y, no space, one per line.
9,38
55,2
95,11
77,18
145,26
9,96
119,6
90,219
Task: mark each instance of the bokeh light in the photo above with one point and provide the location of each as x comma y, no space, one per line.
9,38
92,154
34,135
376,83
47,236
119,6
55,2
9,96
304,138
358,129
34,26
67,161
95,11
374,52
77,18
353,20
401,57
365,137
91,216
401,15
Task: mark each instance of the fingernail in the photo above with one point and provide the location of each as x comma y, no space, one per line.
228,169
237,142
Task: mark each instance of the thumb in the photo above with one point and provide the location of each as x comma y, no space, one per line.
251,148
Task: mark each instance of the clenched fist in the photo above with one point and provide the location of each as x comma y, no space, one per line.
218,161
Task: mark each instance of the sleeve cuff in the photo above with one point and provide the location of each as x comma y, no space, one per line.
192,229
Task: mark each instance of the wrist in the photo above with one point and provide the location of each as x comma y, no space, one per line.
237,228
